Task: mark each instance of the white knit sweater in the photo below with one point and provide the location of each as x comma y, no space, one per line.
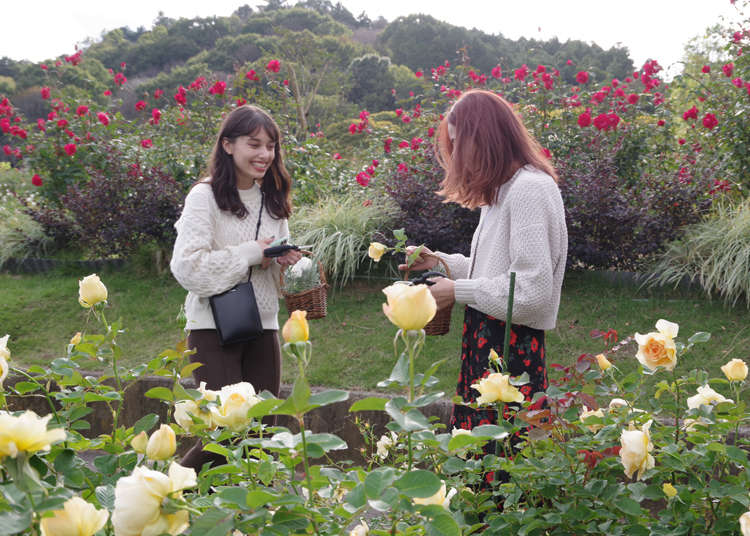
524,232
214,250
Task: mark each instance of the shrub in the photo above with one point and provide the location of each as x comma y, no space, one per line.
20,235
715,252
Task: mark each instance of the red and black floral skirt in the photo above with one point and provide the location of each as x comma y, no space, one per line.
481,334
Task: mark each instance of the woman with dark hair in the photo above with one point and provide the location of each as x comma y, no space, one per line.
228,220
492,162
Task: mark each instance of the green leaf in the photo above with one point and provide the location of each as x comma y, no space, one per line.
266,472
372,403
426,400
215,522
26,387
453,465
400,372
378,480
187,370
145,423
235,495
418,483
161,393
106,496
12,522
628,506
700,336
327,442
328,397
489,431
356,497
443,525
218,449
257,498
263,408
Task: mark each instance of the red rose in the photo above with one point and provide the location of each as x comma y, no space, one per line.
661,122
158,93
363,178
107,93
632,98
146,144
70,149
728,68
45,93
140,105
251,75
692,113
103,118
274,66
584,119
336,156
497,72
62,123
36,180
582,77
706,69
120,79
709,121
418,74
155,116
82,110
218,88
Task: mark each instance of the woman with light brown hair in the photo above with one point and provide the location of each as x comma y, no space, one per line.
492,162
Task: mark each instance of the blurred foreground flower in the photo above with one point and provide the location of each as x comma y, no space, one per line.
410,307
26,433
77,518
91,291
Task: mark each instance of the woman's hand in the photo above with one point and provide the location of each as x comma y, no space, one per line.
289,258
443,291
263,243
425,261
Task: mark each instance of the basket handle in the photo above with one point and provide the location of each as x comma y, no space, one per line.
321,271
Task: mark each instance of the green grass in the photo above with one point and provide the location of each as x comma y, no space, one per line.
353,345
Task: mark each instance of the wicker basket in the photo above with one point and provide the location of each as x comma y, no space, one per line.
441,322
314,300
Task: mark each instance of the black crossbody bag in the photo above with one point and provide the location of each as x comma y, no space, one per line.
235,310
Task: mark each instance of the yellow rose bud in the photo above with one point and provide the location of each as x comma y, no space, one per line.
91,291
26,433
634,454
296,328
735,370
139,442
745,524
657,349
77,518
162,443
669,490
376,251
496,387
410,307
75,339
603,362
493,357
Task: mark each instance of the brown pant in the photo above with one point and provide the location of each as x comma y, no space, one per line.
257,362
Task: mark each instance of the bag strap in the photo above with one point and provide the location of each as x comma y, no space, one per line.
257,227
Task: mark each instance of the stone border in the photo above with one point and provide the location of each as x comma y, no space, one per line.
34,265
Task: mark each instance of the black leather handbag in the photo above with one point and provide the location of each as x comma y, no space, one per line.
235,310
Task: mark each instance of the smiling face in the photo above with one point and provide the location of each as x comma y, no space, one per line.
252,155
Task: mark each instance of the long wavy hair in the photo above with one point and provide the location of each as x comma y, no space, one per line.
246,120
490,145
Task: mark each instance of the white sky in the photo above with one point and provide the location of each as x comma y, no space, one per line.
648,28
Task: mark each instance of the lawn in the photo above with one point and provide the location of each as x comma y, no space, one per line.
353,345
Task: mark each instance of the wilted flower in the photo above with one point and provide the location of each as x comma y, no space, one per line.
91,291
735,370
706,396
634,454
410,307
384,443
657,349
376,251
296,328
162,443
77,518
496,387
439,499
26,433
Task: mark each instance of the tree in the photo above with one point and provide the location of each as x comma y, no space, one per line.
372,81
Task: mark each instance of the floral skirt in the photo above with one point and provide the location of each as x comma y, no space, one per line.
481,333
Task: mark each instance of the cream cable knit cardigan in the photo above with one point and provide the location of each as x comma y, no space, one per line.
214,250
524,232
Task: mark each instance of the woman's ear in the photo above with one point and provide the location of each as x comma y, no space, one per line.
227,145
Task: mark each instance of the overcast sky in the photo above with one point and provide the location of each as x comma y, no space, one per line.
648,28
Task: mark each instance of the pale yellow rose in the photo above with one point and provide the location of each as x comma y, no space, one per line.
410,307
603,362
4,357
376,251
745,524
669,490
138,501
657,349
360,530
139,442
75,339
26,433
439,499
4,352
296,328
586,413
235,401
183,411
91,291
616,403
384,443
77,518
705,397
634,454
162,443
735,370
496,387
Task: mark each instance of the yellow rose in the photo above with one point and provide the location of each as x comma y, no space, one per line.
296,328
705,397
236,400
634,454
493,357
669,490
138,501
77,518
603,362
91,291
4,357
384,443
4,352
183,411
745,524
657,349
376,251
735,370
410,307
75,339
360,530
440,498
162,443
26,433
496,387
139,442
586,413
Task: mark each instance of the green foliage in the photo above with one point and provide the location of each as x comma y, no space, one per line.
714,252
20,235
372,82
340,229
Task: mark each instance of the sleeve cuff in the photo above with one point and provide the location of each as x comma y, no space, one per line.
463,290
251,251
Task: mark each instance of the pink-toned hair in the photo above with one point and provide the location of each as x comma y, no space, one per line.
490,145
